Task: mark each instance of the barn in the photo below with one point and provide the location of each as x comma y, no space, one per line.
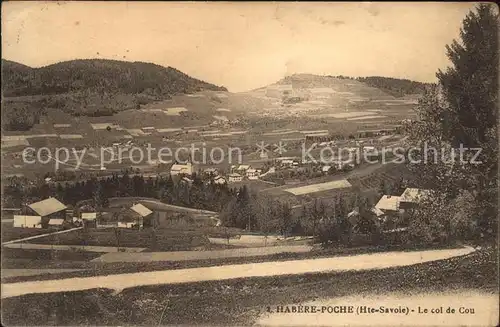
38,214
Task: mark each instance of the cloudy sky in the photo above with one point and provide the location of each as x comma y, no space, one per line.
239,45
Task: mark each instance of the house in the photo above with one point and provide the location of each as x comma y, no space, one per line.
22,221
181,169
45,210
242,169
89,219
234,178
388,204
220,180
144,214
411,197
252,173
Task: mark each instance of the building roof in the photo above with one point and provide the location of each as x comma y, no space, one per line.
47,207
210,170
251,170
244,167
56,221
180,166
414,195
89,215
141,210
388,203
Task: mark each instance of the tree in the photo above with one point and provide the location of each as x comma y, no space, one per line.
462,111
99,197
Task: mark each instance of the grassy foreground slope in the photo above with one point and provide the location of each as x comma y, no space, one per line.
240,302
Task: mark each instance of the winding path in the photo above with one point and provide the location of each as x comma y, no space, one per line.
119,282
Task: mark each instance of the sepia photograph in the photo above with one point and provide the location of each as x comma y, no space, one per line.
249,163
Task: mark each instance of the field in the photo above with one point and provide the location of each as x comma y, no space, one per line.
243,301
153,240
333,106
10,233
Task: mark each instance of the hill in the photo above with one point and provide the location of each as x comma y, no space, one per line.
90,87
98,75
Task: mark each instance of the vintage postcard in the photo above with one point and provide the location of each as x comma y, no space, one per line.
249,163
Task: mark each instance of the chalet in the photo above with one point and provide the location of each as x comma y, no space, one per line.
234,178
181,169
38,214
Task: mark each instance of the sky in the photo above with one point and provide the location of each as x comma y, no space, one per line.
241,46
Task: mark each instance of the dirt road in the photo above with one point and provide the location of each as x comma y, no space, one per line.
295,267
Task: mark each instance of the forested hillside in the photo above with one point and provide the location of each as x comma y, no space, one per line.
93,87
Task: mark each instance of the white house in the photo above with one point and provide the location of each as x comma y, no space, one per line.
27,221
177,169
234,178
252,173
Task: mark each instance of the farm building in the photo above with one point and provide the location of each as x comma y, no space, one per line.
144,214
22,221
89,219
234,178
388,203
38,214
181,169
132,217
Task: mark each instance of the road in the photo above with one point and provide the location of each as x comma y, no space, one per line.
41,235
119,282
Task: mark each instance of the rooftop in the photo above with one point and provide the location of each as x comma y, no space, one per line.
141,210
388,202
47,207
